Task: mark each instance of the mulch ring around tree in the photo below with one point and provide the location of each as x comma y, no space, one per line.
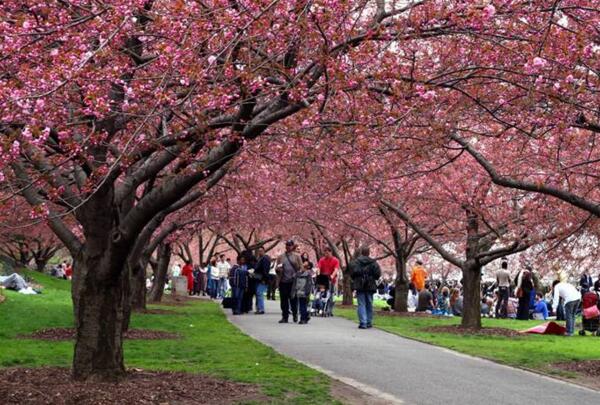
53,386
589,368
69,334
458,330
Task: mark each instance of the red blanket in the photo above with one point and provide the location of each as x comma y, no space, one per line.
548,328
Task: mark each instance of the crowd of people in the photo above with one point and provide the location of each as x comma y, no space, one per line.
522,296
245,285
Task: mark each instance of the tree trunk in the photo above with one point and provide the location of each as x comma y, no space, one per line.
471,317
347,298
138,287
160,273
40,264
99,302
401,287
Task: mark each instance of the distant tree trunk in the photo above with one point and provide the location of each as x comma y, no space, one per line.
138,287
160,273
347,297
471,271
401,287
471,317
40,264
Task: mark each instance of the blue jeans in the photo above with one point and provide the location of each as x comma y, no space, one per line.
570,312
260,297
222,287
237,295
303,307
365,308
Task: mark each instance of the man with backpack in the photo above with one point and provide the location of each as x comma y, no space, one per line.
364,272
289,264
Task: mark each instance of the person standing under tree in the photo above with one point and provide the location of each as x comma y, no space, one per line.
261,275
188,273
418,276
503,283
290,263
585,282
364,272
571,298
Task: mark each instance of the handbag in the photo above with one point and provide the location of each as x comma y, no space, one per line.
591,312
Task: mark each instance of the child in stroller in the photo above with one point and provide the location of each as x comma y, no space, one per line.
590,315
322,304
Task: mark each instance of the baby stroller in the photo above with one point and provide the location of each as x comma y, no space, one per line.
590,314
323,302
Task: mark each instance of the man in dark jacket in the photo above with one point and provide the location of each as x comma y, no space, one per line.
364,273
585,282
261,276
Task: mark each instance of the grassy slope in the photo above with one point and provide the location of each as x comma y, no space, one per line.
531,351
209,344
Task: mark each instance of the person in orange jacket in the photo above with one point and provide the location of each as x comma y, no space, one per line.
418,276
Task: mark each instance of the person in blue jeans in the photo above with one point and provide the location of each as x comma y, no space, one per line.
238,279
261,275
571,298
364,272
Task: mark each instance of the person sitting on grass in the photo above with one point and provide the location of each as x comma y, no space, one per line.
238,279
540,310
456,302
443,302
425,302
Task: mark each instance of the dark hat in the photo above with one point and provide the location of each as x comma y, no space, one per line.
289,243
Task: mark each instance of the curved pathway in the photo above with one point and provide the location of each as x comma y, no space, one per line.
404,371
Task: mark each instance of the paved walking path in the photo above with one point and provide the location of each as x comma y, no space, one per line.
402,370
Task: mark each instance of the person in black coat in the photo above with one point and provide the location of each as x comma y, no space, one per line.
261,277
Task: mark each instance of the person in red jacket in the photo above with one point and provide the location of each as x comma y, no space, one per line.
187,272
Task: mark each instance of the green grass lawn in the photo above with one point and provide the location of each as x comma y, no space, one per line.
530,351
209,344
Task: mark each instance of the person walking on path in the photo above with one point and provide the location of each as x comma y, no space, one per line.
213,278
261,275
571,298
290,264
272,281
418,276
223,268
329,267
238,279
303,285
364,272
203,278
503,282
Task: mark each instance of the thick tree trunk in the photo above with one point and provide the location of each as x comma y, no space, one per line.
347,298
40,264
160,273
471,317
401,287
99,303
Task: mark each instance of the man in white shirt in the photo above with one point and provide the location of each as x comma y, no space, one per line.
223,268
571,298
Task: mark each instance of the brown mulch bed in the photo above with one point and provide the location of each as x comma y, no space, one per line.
69,334
170,300
53,386
458,330
589,368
